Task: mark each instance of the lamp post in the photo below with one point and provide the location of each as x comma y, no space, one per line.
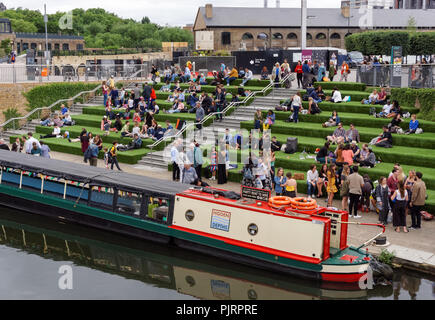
303,24
47,53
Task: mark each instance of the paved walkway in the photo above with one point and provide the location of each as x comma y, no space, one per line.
412,249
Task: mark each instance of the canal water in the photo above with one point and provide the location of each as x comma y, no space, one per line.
44,259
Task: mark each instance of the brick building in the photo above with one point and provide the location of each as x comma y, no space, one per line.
235,28
21,41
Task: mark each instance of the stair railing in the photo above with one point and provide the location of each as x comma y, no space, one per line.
209,116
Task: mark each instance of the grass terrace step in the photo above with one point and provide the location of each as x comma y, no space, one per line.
356,96
64,146
402,155
362,120
75,131
315,130
346,86
212,89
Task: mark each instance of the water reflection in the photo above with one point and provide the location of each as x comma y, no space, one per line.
183,272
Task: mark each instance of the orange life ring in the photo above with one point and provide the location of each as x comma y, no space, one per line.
303,203
275,202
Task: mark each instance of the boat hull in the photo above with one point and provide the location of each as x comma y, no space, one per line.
62,210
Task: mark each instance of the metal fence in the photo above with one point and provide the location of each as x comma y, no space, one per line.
208,63
398,75
18,73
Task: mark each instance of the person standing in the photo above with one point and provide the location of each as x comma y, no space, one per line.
276,74
344,188
344,71
105,89
114,155
418,199
222,164
332,71
296,105
280,181
331,188
45,150
312,177
299,74
286,70
356,183
198,160
200,114
382,201
306,70
399,198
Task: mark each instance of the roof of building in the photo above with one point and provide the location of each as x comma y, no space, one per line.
50,36
95,175
317,17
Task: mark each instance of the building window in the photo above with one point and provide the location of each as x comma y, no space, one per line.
65,46
247,36
309,36
335,36
25,46
56,46
33,46
262,36
321,36
79,46
226,38
292,36
277,36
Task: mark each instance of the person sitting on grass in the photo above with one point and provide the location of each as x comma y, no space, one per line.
125,132
177,107
233,75
67,120
356,150
258,119
105,126
386,110
46,121
248,76
394,125
384,140
370,160
264,73
373,97
413,125
396,109
333,121
382,97
315,94
323,155
270,120
336,96
313,108
338,136
57,121
352,134
54,134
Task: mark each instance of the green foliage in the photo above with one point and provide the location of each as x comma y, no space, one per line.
45,95
422,43
100,29
408,97
386,257
9,114
347,86
378,42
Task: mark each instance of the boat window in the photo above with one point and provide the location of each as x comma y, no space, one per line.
158,209
129,203
102,197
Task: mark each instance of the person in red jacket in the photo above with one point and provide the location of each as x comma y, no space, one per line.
299,73
153,97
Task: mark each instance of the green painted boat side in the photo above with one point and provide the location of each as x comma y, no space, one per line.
166,230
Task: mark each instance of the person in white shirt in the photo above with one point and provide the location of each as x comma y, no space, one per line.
28,145
312,177
248,76
386,109
336,96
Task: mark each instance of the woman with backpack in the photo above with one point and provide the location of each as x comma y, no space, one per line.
113,155
366,193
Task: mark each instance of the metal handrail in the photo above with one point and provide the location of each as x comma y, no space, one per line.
206,118
2,125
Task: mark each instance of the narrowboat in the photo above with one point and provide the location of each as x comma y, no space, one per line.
161,265
243,228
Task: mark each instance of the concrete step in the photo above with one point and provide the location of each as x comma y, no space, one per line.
153,164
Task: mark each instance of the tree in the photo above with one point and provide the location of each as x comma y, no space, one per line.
145,20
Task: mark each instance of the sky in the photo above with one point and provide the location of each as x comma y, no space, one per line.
163,12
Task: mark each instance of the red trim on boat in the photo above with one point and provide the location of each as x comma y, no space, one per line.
326,239
344,228
342,277
250,246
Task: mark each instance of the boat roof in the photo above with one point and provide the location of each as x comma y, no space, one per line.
85,173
